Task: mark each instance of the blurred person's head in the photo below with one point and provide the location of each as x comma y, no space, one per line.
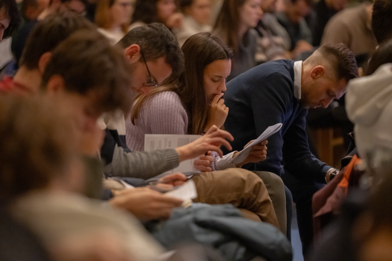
90,75
56,6
111,14
382,19
382,55
76,6
153,53
337,5
236,18
153,11
9,18
268,6
298,9
325,75
200,10
32,162
207,65
46,35
32,8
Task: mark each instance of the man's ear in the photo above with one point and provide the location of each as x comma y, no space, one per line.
55,84
132,53
43,61
317,72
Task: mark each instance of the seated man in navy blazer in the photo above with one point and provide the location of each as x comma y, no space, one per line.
281,92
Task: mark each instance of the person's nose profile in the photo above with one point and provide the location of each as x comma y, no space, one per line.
223,87
326,102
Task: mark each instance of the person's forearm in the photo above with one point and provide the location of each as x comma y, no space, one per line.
184,153
142,165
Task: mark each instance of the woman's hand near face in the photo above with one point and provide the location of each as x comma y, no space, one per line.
218,112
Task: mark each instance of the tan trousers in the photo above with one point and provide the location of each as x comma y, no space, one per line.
239,187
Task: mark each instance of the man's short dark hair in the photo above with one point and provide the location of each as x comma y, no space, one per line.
343,60
89,63
382,19
155,41
48,33
12,12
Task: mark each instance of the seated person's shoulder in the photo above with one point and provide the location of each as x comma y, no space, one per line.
165,98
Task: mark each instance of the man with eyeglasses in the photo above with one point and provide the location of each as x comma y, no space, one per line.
154,55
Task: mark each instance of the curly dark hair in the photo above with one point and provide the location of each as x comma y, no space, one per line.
12,12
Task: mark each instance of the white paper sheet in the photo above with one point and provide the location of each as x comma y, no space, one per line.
185,192
165,141
241,156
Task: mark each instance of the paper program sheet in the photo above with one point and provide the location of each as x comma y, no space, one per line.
185,192
165,141
263,136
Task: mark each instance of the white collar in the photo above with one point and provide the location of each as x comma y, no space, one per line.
297,79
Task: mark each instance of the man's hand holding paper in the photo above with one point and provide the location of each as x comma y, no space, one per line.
257,153
242,156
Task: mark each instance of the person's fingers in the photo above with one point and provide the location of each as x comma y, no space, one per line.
219,151
264,142
216,99
221,102
179,183
164,186
170,201
258,152
203,162
212,130
171,177
204,157
259,148
203,168
215,143
221,133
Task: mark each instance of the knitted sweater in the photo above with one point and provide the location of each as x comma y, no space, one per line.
164,114
161,114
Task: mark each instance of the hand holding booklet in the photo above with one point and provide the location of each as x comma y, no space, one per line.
243,154
165,141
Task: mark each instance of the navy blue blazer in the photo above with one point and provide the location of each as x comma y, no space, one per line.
264,96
